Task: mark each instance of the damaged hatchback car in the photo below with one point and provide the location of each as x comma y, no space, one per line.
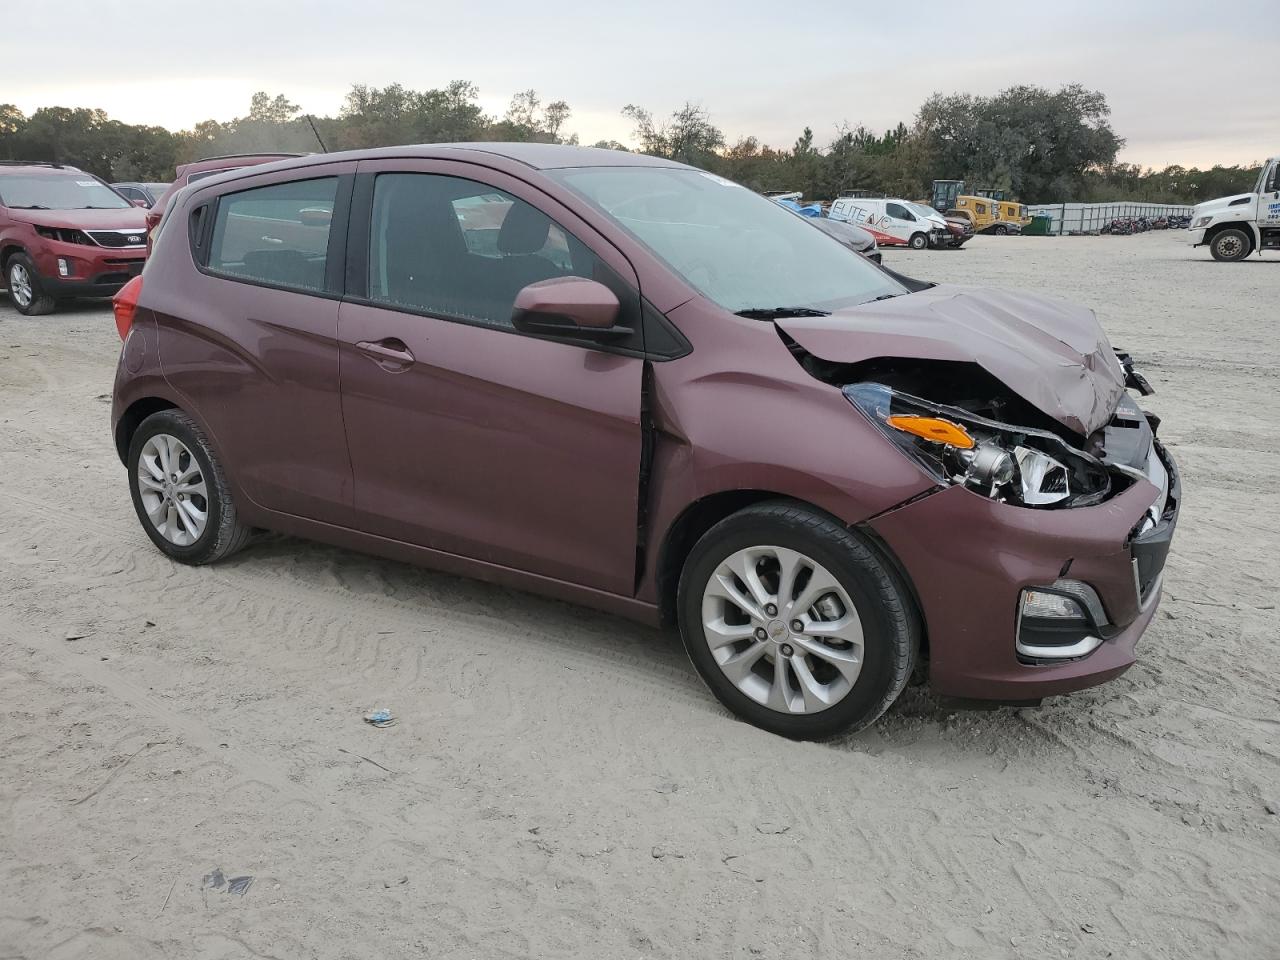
631,384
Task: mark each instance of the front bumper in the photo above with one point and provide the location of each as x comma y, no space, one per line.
970,558
1196,237
90,271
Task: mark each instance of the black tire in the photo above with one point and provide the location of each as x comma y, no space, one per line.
890,623
39,303
1000,230
223,533
1230,245
918,241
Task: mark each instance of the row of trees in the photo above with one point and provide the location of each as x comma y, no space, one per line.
1039,145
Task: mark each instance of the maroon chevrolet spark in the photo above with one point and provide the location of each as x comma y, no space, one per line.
635,385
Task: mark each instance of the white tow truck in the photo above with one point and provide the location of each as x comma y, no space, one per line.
1234,227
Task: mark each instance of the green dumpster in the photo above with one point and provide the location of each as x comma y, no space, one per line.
1039,225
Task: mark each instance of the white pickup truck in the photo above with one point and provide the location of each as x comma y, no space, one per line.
1234,227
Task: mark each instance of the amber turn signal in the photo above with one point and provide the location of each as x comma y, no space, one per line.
933,428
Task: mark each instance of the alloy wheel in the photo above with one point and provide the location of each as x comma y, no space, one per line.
20,285
782,629
172,487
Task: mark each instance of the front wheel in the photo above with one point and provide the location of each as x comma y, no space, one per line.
25,292
796,624
1000,230
1230,245
918,241
180,492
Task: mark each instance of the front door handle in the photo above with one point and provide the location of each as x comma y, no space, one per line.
390,353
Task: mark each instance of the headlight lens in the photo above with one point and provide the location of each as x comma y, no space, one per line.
1202,222
1018,465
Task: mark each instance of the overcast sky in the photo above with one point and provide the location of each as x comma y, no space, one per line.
1191,83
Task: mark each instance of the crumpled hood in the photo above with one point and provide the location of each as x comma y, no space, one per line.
128,218
1052,353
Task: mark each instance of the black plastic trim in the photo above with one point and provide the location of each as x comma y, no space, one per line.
662,338
1151,549
336,253
359,225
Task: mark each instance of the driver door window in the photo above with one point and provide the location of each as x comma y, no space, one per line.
462,250
899,212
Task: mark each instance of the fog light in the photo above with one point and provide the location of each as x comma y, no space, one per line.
1051,606
1061,621
63,269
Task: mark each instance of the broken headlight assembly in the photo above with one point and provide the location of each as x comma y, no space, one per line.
1018,465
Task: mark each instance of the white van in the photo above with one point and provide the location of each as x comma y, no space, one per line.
891,221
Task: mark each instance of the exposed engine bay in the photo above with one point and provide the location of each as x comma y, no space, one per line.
966,427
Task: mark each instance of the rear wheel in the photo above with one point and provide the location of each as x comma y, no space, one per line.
1230,245
795,623
25,292
1000,230
919,241
180,492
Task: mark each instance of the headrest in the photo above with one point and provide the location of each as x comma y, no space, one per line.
524,230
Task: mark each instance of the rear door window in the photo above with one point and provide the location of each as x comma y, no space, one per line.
277,235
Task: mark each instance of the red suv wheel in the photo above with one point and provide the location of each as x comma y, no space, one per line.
25,292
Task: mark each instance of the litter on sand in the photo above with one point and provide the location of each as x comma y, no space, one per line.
380,718
219,881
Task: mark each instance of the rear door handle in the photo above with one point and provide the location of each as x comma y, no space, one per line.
390,353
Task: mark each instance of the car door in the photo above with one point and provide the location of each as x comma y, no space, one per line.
902,222
1269,196
252,339
467,436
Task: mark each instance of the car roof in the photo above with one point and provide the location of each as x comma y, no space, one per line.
548,156
539,156
230,161
36,166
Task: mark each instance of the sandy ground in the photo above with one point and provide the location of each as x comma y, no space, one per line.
559,783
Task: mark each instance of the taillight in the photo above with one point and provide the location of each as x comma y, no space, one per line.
125,304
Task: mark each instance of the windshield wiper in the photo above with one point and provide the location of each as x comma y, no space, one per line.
883,296
778,313
34,206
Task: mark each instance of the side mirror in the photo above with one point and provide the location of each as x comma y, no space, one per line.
139,202
572,305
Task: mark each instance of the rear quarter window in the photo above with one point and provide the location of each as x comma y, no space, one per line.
277,235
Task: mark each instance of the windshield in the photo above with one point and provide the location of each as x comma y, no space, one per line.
58,192
923,210
735,247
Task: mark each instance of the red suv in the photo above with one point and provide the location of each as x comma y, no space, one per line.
636,385
65,233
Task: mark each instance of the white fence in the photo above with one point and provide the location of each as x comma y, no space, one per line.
1091,217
